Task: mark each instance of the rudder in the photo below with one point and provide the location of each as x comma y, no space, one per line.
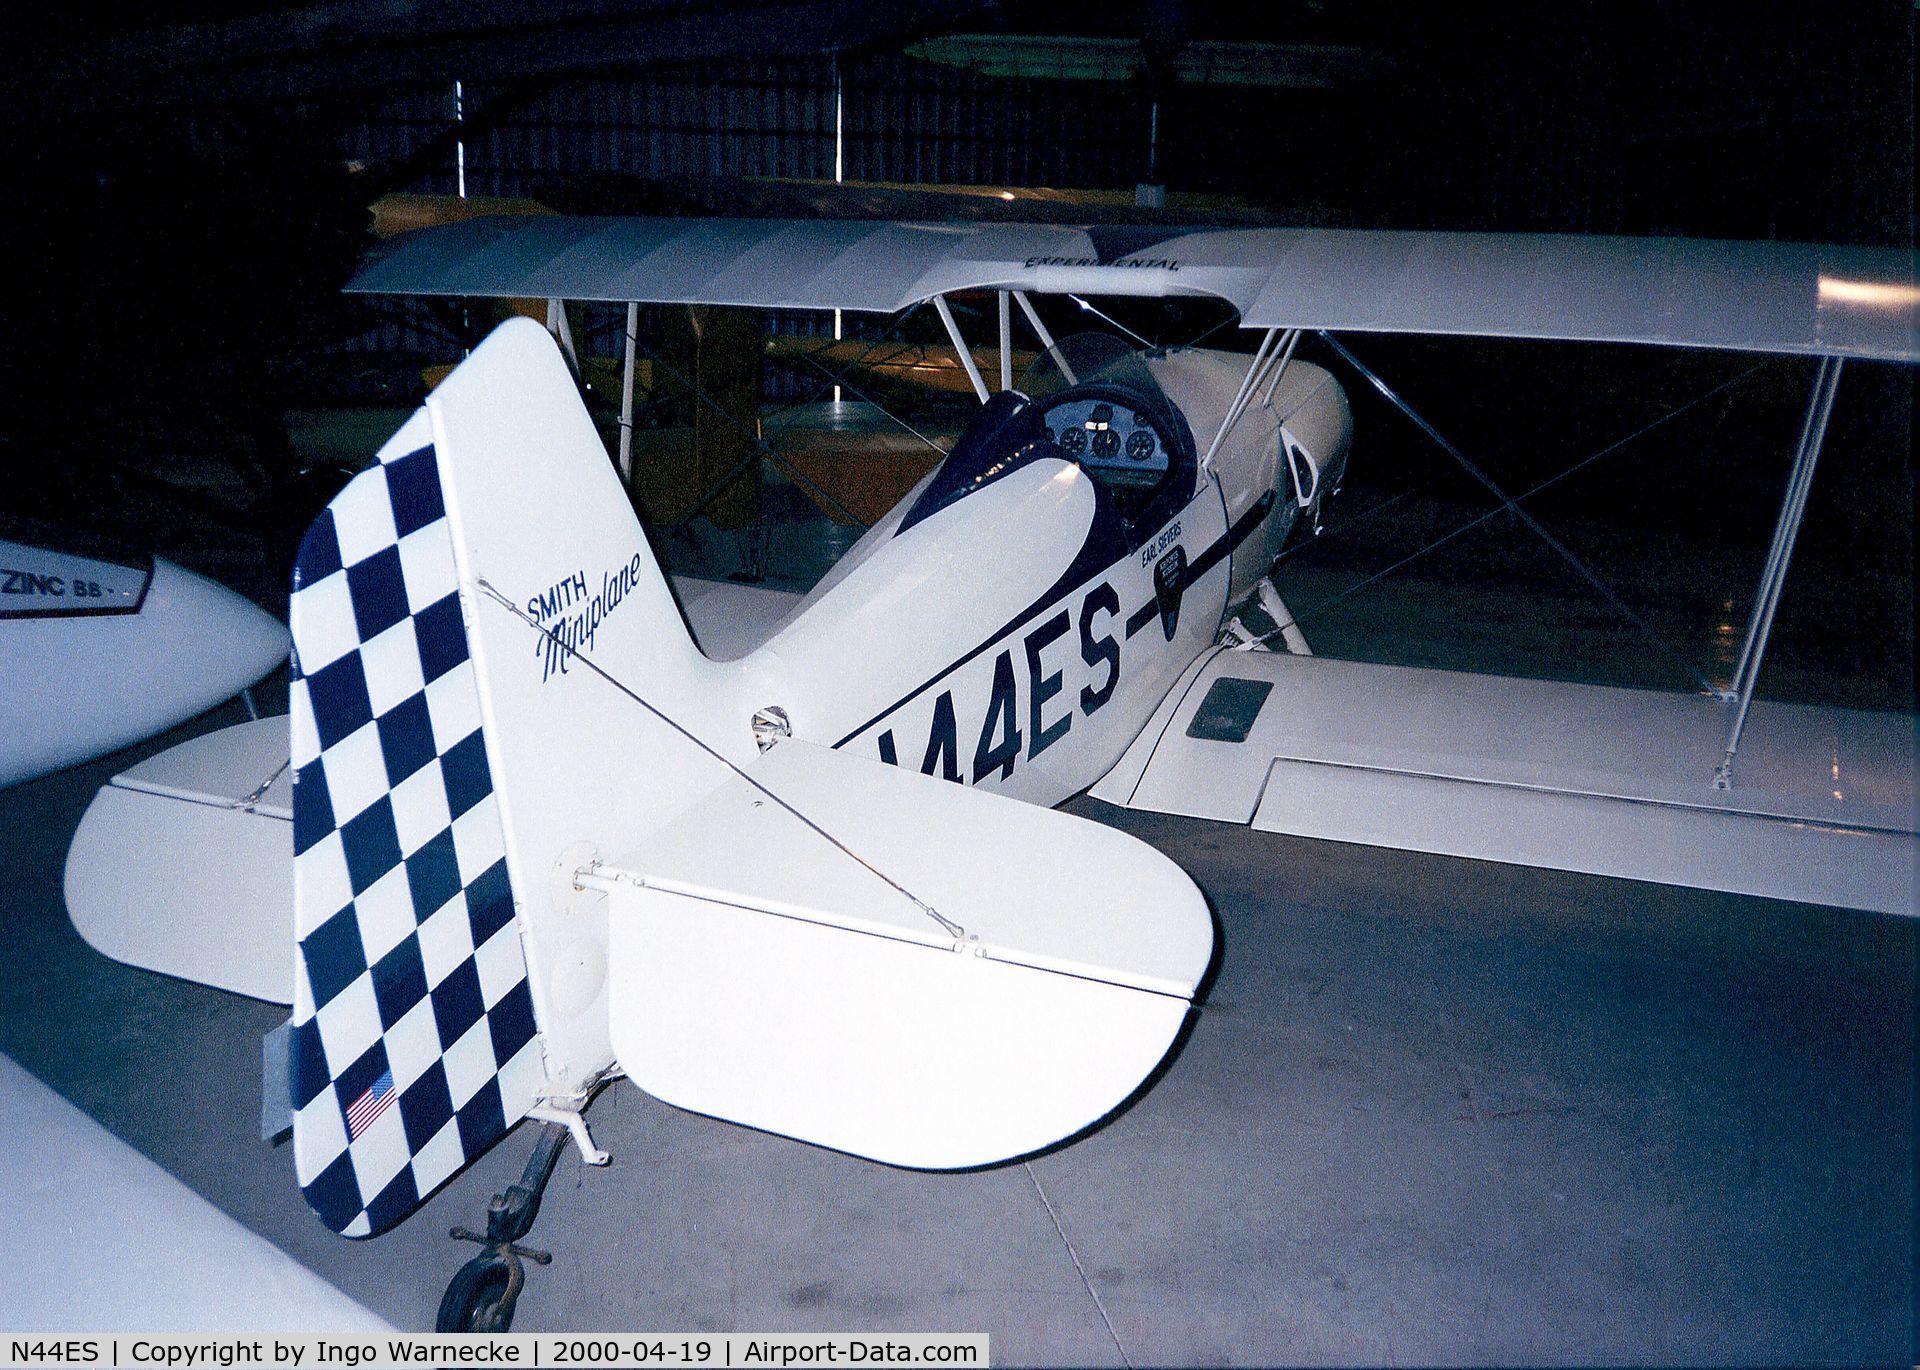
449,750
413,1044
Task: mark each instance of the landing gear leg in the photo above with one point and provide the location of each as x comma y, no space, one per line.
1269,599
1246,629
482,1294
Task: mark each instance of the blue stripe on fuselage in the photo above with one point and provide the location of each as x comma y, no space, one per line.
1080,579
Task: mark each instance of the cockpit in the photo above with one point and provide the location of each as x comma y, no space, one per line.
1116,444
1091,401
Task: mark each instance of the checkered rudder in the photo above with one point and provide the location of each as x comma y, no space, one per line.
413,1028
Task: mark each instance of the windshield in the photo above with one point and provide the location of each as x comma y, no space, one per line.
1086,358
1091,400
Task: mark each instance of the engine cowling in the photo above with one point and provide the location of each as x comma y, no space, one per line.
1291,439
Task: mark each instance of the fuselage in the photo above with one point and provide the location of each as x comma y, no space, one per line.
1020,634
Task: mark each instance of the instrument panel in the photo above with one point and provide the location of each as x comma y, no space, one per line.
1110,439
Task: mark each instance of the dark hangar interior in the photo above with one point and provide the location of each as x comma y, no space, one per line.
1432,1110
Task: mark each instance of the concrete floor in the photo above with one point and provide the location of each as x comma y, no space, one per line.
1432,1111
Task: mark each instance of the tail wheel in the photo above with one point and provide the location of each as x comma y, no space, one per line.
481,1295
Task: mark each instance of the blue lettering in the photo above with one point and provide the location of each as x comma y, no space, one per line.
943,741
1041,688
1094,650
991,754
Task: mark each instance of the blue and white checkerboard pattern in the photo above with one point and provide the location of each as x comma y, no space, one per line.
409,957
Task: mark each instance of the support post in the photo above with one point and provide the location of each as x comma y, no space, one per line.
459,142
1286,356
960,345
839,169
626,396
562,332
1046,338
1248,384
1793,507
1006,342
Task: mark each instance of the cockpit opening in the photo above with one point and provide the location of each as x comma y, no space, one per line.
1091,401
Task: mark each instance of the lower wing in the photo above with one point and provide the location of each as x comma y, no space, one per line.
1572,777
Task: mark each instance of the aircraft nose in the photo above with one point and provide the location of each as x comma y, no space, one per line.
217,642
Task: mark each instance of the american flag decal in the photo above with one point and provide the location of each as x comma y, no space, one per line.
362,1112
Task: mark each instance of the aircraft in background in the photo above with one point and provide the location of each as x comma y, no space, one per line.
547,830
101,647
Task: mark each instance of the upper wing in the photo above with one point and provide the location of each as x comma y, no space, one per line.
1545,773
1754,296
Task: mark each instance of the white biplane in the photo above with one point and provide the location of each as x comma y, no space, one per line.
540,838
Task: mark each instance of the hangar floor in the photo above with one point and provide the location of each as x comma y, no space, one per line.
1432,1111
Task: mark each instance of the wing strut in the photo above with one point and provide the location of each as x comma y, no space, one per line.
562,332
1006,341
1046,338
960,346
1266,361
626,396
1793,507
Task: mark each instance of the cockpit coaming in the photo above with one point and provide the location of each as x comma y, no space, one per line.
1111,419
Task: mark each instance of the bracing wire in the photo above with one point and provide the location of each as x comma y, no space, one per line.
1316,610
1360,520
487,588
1510,505
840,379
760,444
1102,314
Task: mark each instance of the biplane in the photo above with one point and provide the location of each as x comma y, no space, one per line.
789,860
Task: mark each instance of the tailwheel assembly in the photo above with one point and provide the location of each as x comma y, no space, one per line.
482,1294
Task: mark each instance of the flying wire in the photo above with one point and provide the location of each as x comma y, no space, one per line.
486,587
1509,504
763,449
1360,519
1315,610
840,379
1209,331
1097,313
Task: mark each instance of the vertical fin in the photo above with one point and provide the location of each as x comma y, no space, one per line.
414,1045
555,571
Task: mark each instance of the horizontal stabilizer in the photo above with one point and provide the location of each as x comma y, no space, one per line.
771,978
223,918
